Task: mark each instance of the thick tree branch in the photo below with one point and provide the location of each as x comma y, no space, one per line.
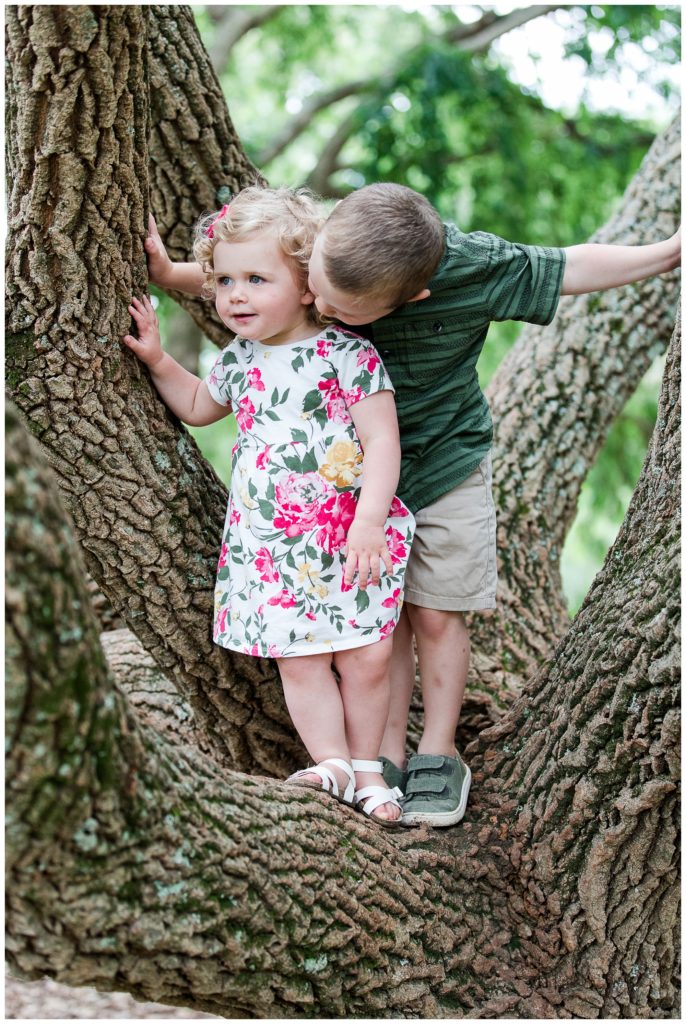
597,737
553,401
196,160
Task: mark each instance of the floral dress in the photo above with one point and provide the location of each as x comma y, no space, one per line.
296,477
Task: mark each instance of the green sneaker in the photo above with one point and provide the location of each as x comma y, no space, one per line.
437,790
393,775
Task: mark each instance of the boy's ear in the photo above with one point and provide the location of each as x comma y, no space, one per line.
423,294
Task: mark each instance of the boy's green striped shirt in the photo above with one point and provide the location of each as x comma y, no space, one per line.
430,349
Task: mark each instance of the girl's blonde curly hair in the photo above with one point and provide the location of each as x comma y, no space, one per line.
293,215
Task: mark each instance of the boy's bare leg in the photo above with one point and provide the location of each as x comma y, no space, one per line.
365,691
316,709
443,650
403,672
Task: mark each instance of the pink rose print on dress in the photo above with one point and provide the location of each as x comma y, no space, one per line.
298,500
387,629
323,347
264,458
334,398
355,394
397,509
244,414
285,599
265,566
255,380
234,449
311,616
393,601
335,517
223,556
396,544
368,357
235,516
220,625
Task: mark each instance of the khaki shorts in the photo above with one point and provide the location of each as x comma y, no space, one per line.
452,563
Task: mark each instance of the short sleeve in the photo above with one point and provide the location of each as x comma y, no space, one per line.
360,371
520,282
218,380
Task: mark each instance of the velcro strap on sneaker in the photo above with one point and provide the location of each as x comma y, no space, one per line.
425,783
420,762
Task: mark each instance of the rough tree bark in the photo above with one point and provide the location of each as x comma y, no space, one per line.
138,855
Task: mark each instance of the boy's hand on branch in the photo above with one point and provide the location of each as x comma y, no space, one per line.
147,346
160,267
366,549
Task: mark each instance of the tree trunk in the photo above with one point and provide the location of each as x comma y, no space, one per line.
138,858
564,903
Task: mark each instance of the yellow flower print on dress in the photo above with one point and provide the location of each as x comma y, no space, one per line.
342,463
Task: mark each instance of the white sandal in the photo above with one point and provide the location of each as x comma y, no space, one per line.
369,798
329,780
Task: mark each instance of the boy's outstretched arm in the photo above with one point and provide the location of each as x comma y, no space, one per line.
181,277
592,268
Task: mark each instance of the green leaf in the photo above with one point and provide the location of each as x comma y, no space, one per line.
266,509
293,462
312,400
309,463
362,600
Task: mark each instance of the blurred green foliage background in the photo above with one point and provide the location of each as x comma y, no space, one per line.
528,127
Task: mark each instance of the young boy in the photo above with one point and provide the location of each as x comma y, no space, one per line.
384,257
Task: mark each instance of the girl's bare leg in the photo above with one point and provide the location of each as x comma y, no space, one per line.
316,709
365,691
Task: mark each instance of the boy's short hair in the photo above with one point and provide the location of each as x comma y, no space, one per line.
292,215
383,241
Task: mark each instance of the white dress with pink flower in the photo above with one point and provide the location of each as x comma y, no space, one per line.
296,476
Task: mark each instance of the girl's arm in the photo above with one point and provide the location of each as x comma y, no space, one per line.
376,423
182,277
184,393
593,267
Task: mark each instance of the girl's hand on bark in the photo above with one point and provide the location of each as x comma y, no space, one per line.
147,346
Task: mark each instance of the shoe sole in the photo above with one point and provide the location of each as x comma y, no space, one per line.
441,819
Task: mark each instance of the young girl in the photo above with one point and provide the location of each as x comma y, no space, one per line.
315,542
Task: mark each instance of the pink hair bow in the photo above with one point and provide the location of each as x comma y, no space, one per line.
222,213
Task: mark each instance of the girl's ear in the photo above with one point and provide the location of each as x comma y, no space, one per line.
307,298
